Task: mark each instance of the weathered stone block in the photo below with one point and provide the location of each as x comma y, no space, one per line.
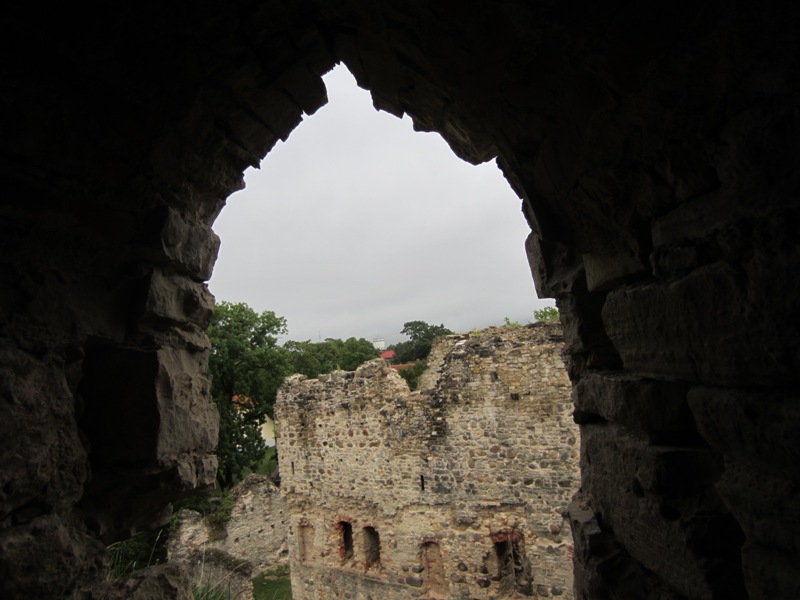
658,408
189,247
761,428
177,299
661,499
44,461
656,328
557,269
75,558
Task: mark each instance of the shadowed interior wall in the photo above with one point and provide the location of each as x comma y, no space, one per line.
655,152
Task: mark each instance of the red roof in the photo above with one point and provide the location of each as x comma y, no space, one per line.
241,401
404,366
387,354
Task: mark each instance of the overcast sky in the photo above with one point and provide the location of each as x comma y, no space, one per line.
358,224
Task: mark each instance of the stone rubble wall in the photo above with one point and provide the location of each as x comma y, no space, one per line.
252,541
487,448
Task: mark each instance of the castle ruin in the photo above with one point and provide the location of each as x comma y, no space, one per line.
654,148
458,490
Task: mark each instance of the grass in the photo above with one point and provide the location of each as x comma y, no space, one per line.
218,519
208,592
143,549
273,585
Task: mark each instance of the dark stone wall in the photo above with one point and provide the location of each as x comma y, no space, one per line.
654,149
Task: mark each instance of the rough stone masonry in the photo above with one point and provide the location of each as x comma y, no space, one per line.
458,490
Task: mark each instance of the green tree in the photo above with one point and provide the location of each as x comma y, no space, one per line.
354,352
419,346
412,374
307,358
247,367
313,359
548,313
403,352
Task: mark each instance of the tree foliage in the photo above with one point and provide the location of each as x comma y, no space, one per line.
313,359
548,313
412,374
247,367
421,336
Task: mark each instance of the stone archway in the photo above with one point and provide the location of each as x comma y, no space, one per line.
654,150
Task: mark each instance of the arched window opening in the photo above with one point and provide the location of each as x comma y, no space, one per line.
345,540
372,547
367,180
513,570
332,214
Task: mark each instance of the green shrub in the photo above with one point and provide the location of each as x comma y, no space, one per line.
548,313
218,519
412,374
273,585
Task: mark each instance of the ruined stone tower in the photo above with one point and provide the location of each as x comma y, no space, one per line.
457,490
